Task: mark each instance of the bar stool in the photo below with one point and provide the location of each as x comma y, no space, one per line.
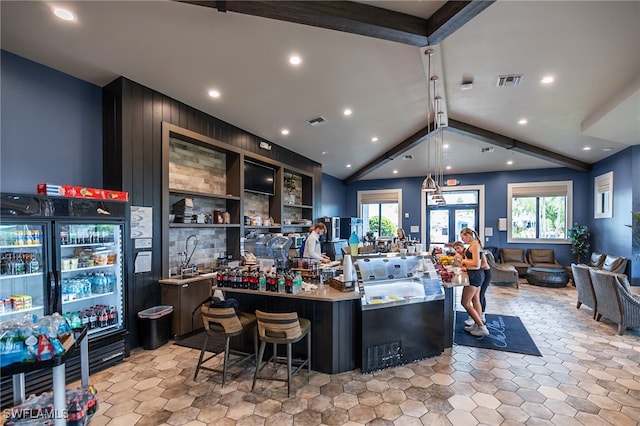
282,329
225,322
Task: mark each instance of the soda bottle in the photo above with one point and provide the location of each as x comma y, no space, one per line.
93,319
289,283
220,279
84,319
103,317
113,316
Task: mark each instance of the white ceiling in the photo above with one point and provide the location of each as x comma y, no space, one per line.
183,50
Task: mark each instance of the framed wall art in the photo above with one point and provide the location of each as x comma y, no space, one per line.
603,196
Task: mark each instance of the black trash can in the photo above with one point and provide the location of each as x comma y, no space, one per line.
155,326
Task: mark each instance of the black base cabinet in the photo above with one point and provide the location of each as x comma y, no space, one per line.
401,334
334,338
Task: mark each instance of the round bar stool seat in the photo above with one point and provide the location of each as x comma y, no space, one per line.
547,277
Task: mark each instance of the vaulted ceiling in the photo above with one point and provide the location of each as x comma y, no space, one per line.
370,57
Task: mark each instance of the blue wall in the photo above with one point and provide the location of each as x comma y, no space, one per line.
51,127
495,199
332,197
611,235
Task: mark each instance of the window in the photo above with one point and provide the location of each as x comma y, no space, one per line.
539,211
380,211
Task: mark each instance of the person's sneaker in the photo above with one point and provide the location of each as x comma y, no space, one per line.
480,331
469,321
470,328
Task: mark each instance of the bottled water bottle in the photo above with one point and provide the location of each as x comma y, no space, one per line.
297,283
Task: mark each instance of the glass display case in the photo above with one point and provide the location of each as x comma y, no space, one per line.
401,297
391,280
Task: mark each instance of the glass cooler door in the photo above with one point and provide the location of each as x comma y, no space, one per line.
91,272
22,270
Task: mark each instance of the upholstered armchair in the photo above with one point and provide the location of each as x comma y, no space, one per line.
543,258
582,280
501,273
596,260
614,299
614,264
516,258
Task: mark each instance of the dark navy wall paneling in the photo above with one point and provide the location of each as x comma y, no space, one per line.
332,197
51,127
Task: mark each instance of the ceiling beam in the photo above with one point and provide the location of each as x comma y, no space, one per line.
359,18
515,145
451,16
399,149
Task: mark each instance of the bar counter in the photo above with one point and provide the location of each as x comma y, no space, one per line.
334,317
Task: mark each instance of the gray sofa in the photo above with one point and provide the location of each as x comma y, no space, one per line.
516,258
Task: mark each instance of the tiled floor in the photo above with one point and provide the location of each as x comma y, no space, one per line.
588,375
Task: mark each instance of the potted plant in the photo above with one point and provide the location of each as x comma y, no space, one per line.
579,236
290,187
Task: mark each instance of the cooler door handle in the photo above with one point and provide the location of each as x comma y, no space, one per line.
54,290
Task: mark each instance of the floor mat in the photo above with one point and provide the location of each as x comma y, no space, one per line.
507,333
195,341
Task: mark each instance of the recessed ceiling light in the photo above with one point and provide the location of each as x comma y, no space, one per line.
64,14
374,139
607,149
547,80
347,112
445,146
448,167
284,131
348,166
295,60
523,121
510,162
325,152
395,172
586,148
214,93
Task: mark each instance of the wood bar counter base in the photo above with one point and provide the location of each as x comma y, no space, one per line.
334,317
185,295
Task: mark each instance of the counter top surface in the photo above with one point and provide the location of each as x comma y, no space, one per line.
324,293
186,280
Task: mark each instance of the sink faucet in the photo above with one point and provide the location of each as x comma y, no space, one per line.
185,256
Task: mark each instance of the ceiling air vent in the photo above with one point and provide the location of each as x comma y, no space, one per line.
317,121
488,149
512,80
407,157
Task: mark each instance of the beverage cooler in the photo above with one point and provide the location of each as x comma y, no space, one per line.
65,255
403,310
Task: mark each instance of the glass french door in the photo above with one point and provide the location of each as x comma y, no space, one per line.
444,223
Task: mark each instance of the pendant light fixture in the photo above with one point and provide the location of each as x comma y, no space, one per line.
429,184
432,184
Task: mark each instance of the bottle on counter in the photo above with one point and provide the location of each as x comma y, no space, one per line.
354,241
281,283
297,283
262,282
